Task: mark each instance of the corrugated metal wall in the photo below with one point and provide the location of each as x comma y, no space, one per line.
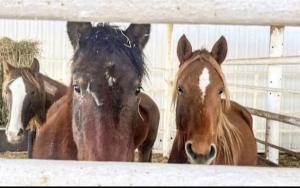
55,47
243,42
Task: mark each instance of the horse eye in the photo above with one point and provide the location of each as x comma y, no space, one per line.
180,90
221,91
138,90
76,88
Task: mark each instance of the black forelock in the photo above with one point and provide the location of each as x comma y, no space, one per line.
112,38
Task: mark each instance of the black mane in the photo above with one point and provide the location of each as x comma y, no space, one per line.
104,37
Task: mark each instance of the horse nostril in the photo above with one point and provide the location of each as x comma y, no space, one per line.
212,151
189,146
21,131
189,150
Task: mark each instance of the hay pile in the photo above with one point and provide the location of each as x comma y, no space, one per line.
19,54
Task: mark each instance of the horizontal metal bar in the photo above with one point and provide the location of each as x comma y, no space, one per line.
274,116
279,148
269,163
77,173
289,60
266,89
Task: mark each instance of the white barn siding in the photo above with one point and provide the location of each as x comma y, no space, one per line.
55,47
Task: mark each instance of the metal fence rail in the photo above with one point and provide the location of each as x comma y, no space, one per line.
280,148
274,116
291,60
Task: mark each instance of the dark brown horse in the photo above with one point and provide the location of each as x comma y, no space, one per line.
210,130
27,95
104,116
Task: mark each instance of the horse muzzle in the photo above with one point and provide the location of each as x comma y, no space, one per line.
14,137
199,158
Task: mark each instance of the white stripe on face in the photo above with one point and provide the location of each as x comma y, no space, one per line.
18,92
94,95
204,82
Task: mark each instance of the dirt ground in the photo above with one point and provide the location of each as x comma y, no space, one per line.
13,155
285,160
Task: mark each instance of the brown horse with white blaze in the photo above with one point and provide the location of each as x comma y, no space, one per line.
104,116
210,130
27,95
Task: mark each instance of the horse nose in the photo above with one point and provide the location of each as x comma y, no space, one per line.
14,137
201,157
21,132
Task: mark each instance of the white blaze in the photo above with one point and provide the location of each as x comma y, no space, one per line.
204,82
94,95
18,92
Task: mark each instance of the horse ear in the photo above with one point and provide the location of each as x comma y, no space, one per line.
219,50
184,49
35,66
77,31
139,34
7,67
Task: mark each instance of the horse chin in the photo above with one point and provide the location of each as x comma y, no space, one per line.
200,161
15,139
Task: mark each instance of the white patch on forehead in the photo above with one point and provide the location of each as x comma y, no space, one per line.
204,82
94,95
109,64
18,91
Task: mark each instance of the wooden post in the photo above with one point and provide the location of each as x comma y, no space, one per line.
168,115
274,98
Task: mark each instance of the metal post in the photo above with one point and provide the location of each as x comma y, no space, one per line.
274,98
167,118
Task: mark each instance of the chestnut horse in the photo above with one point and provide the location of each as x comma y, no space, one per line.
27,95
103,116
210,130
